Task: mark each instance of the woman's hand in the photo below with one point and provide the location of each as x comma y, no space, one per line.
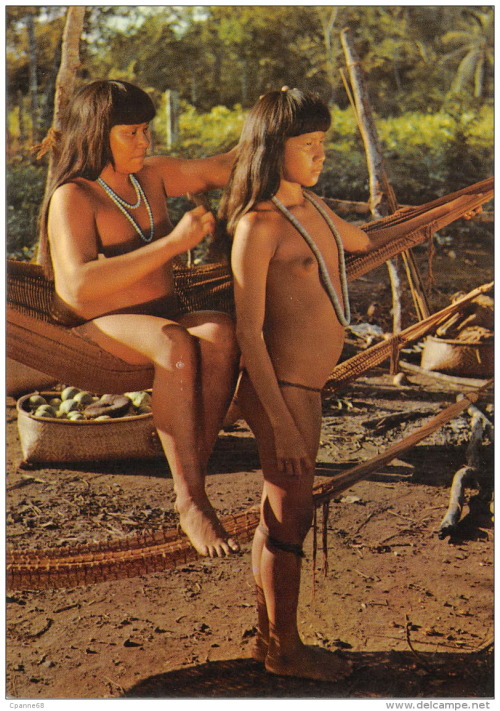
191,229
292,457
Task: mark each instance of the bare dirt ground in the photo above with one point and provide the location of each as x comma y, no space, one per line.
412,611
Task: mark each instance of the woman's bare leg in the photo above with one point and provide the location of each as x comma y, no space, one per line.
286,514
218,358
178,409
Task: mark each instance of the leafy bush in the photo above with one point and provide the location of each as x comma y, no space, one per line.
427,155
25,188
204,134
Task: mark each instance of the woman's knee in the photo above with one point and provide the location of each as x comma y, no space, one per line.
176,349
216,328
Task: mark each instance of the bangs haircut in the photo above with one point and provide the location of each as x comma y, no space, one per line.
308,113
292,112
256,174
129,104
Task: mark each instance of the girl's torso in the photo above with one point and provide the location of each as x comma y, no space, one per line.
302,332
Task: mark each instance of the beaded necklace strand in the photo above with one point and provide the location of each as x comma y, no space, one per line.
124,206
343,317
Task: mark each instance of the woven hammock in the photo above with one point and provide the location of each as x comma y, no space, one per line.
166,549
35,341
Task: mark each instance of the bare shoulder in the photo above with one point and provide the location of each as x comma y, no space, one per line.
161,162
78,192
354,239
327,208
259,225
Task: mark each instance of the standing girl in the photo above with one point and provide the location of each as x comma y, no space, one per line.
291,313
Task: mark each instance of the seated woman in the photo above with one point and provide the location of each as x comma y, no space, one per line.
109,243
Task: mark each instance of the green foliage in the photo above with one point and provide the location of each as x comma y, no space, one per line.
213,132
431,154
428,72
25,188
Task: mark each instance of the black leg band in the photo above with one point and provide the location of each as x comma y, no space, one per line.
294,548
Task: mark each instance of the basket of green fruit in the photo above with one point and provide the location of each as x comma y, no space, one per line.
73,425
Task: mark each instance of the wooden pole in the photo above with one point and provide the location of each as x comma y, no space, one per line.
382,198
70,62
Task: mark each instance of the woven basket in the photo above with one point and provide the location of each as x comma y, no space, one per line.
462,358
50,440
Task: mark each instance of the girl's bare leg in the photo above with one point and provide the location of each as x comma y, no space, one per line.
286,514
181,402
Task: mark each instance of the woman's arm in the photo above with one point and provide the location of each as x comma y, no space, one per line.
253,249
199,175
74,247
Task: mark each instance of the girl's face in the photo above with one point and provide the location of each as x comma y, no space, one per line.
129,144
304,158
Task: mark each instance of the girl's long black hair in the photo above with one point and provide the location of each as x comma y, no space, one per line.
256,173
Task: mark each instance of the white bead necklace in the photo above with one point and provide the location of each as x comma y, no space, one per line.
124,206
343,316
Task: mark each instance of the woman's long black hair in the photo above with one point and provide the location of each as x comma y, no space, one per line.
83,149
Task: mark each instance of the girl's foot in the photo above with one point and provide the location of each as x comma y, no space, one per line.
259,649
310,662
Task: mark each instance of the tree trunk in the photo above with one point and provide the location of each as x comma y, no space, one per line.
328,17
70,62
33,66
48,98
382,198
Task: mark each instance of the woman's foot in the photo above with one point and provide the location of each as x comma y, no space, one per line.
204,530
310,662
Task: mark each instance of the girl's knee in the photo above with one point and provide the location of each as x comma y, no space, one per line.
291,525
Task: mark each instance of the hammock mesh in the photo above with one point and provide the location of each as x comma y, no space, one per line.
60,353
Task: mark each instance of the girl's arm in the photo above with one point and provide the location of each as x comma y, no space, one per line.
253,249
182,176
355,239
74,247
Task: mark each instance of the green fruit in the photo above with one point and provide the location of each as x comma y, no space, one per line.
45,411
131,396
36,401
83,398
141,399
69,393
68,405
55,402
102,417
75,415
143,409
61,415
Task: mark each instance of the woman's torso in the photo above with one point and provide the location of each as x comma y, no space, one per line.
116,236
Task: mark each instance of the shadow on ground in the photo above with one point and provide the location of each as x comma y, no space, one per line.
376,675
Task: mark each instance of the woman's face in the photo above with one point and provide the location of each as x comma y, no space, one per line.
129,144
304,158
